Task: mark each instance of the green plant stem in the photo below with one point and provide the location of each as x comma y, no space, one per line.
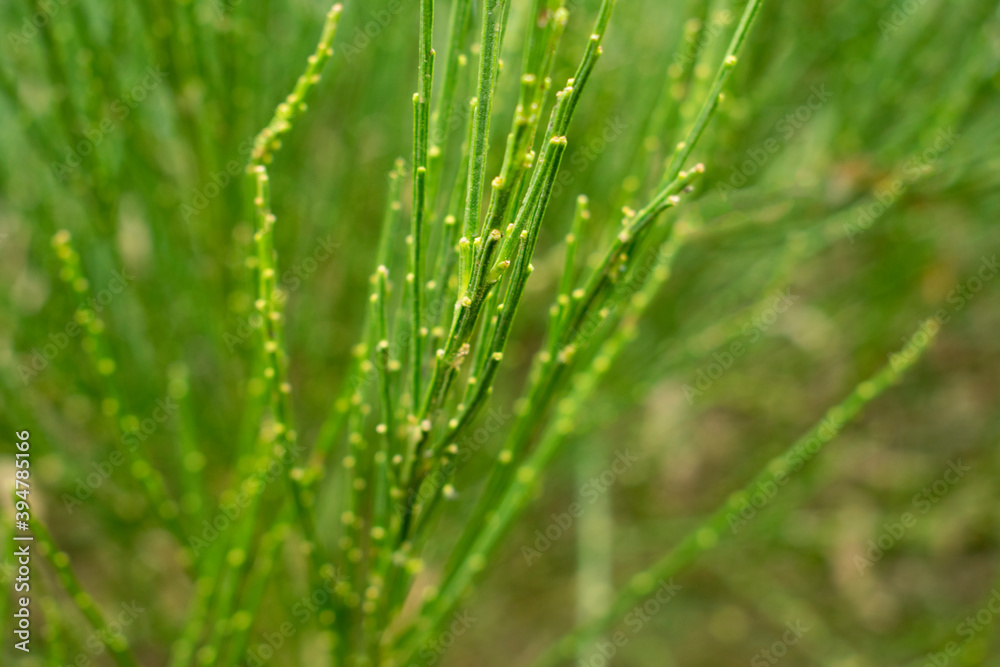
491,42
441,119
517,161
117,646
683,149
525,230
707,534
256,586
466,568
273,358
421,129
100,351
336,419
636,227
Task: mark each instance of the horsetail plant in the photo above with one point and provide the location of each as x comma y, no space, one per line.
99,351
453,268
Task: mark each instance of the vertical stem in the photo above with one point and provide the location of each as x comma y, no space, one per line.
594,539
421,124
489,56
117,645
441,118
684,148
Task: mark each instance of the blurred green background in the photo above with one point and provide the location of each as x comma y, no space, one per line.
852,191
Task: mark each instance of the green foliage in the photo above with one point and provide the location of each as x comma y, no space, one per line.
304,414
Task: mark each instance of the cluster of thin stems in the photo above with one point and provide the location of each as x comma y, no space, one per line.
431,348
410,406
